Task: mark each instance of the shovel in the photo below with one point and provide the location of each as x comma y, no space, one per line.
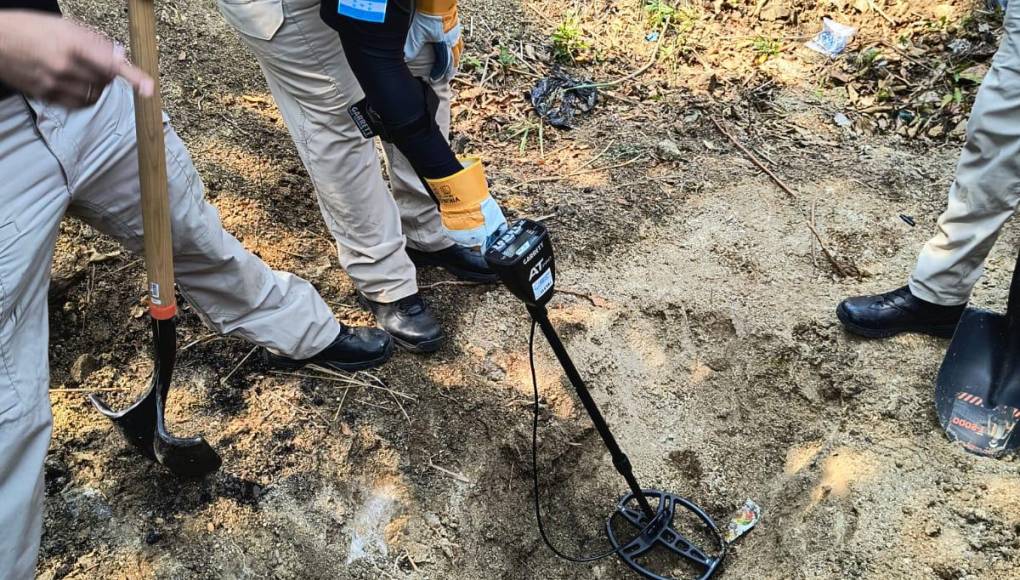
143,423
977,392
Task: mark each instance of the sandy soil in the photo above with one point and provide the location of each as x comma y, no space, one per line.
699,307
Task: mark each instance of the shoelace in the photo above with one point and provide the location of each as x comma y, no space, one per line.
895,295
411,305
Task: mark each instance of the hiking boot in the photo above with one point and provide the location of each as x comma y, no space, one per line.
462,262
409,321
354,349
884,315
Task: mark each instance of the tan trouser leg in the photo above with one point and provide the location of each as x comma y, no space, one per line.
986,191
312,84
53,161
33,198
232,289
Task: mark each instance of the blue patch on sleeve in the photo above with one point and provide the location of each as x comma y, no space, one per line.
365,10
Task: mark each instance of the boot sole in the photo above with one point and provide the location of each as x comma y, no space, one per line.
426,346
423,347
279,362
940,331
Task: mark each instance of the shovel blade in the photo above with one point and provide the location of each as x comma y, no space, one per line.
137,423
977,392
183,456
143,424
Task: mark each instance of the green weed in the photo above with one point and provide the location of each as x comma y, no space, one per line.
469,62
568,41
658,12
766,46
506,58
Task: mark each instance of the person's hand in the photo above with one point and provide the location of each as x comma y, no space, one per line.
436,24
47,57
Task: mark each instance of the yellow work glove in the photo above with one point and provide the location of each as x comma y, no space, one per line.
469,213
437,26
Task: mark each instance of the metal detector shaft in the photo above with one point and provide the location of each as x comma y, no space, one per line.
620,459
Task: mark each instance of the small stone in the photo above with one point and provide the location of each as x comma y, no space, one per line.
432,520
152,537
83,366
668,150
776,11
842,120
932,530
211,527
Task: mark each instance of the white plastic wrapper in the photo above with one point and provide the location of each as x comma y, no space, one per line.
833,38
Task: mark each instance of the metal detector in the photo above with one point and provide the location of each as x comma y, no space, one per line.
523,257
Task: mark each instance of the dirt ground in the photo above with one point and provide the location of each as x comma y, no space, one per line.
698,305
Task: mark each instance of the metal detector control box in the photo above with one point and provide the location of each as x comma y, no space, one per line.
522,256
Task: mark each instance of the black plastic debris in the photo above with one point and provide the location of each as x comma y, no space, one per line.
559,97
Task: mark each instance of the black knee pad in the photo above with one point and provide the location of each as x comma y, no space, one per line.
371,124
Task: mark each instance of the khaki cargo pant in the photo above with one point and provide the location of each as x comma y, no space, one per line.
313,85
54,162
986,191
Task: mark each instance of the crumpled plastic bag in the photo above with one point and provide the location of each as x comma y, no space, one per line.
833,38
556,99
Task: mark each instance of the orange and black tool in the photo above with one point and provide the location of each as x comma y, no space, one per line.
977,392
143,423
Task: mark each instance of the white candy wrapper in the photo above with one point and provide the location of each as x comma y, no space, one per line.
833,38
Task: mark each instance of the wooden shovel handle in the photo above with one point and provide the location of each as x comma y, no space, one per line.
159,259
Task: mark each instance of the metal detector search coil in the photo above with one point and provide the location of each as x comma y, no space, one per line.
522,256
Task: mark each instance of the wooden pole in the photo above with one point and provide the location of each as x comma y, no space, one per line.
159,262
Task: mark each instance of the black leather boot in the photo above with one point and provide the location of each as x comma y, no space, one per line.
409,321
462,262
354,349
884,315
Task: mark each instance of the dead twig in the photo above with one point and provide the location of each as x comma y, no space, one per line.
337,378
325,422
881,12
408,554
814,257
840,269
449,283
545,217
458,476
341,405
197,341
595,299
371,404
402,410
224,380
84,390
295,254
523,72
637,72
597,157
